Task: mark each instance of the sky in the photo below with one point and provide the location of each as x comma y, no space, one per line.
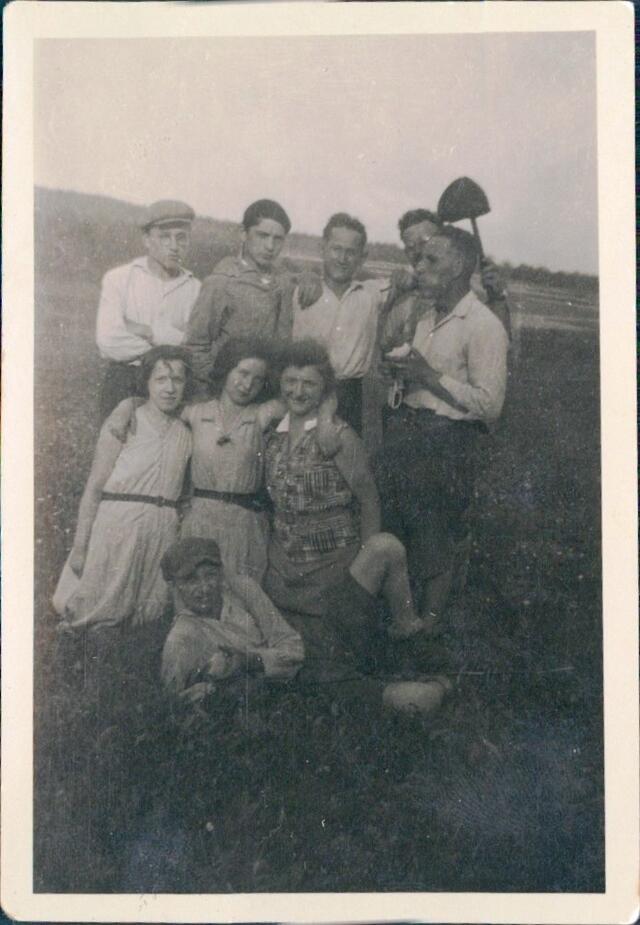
371,125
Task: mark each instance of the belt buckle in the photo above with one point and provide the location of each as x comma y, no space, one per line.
162,502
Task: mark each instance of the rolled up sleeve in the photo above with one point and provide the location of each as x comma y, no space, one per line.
484,392
282,651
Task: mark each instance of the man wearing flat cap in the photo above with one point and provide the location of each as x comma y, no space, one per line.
225,626
147,302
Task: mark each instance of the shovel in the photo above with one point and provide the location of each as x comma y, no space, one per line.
465,199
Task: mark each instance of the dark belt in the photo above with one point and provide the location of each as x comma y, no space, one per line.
247,501
424,414
144,499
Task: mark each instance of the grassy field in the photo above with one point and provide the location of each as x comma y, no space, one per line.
271,792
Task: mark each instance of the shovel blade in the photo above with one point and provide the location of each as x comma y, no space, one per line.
462,199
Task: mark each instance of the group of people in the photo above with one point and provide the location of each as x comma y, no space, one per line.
231,487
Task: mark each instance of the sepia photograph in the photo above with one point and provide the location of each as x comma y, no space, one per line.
318,442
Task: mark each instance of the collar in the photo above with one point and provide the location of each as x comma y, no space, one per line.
213,413
353,286
244,266
142,263
462,307
283,426
460,310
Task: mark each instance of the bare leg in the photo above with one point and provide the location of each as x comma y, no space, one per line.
381,567
436,595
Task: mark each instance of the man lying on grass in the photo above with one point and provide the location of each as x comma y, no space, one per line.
226,628
225,625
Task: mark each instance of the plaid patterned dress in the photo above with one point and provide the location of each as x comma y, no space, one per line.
315,511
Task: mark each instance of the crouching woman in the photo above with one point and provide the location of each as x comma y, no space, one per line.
225,626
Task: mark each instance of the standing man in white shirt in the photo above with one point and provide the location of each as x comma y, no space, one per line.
455,377
147,302
345,317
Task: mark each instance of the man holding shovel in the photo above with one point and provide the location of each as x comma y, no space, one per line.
454,370
416,226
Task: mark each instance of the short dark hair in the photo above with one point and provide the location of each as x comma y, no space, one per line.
232,352
165,353
415,217
308,352
464,243
265,208
344,220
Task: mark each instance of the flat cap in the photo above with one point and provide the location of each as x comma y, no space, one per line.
181,559
167,212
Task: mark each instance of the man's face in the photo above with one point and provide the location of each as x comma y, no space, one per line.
263,243
342,253
167,246
302,390
439,265
414,237
201,592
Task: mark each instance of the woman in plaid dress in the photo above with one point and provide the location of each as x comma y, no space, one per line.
340,583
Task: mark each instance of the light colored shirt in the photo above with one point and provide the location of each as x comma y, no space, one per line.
346,326
249,623
469,347
225,460
138,310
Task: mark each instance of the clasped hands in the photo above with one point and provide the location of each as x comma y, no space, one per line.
412,367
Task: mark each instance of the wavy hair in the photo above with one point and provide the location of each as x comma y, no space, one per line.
308,352
236,349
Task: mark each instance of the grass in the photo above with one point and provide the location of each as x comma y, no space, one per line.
270,791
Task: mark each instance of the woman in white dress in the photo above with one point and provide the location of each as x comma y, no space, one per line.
128,514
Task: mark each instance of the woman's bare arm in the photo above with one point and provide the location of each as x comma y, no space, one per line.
107,451
351,460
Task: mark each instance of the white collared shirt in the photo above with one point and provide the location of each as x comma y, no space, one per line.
283,426
346,326
138,310
469,347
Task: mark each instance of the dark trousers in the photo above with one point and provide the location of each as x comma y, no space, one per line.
121,380
349,392
425,475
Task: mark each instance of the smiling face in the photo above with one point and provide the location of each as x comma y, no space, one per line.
342,254
439,266
246,380
201,591
414,238
166,385
167,247
263,243
302,389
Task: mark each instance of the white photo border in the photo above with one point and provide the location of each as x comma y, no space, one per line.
612,22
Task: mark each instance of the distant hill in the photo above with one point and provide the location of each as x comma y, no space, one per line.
79,235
